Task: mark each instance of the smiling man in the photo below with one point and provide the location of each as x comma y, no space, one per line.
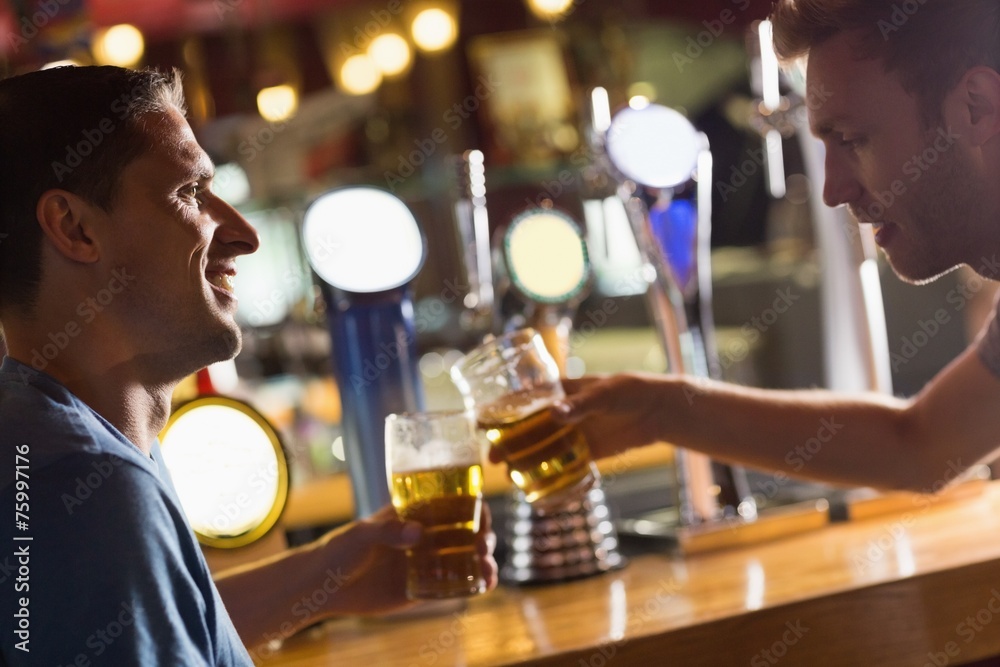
911,128
116,281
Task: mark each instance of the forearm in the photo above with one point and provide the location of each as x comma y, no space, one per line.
274,598
868,440
359,568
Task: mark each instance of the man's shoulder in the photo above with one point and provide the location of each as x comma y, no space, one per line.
115,486
108,545
45,423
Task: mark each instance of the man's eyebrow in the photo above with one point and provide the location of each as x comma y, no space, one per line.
827,126
198,166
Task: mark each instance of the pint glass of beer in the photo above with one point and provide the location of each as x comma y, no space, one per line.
510,382
434,465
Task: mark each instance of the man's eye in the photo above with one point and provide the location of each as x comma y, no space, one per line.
192,192
853,142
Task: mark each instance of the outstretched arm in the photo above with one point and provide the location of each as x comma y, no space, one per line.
869,440
359,568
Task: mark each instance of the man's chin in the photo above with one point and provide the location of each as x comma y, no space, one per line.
920,275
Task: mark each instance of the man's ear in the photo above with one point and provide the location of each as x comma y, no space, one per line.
979,98
66,220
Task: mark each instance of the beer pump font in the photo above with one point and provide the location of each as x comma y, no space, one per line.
366,247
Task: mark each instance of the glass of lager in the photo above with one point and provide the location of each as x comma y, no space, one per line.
510,382
434,466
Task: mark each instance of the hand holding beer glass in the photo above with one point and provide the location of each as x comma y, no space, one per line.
435,475
510,382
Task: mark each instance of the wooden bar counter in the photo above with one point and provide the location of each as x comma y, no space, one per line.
919,586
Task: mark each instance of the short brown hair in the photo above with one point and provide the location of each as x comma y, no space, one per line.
930,44
72,128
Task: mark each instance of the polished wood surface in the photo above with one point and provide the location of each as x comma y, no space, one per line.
920,586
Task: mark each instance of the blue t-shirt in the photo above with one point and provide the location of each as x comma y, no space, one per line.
111,574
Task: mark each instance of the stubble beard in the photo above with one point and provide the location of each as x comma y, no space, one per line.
945,218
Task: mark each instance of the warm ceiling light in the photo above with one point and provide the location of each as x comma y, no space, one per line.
120,45
359,75
391,53
434,30
549,9
277,103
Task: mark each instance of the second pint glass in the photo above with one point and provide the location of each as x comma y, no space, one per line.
510,382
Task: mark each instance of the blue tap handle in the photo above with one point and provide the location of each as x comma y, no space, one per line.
375,365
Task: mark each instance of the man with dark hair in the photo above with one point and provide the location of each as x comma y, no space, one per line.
105,191
897,84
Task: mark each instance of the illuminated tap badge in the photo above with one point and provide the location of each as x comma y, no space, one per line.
546,256
362,240
654,146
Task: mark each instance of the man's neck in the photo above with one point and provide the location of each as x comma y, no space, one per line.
137,408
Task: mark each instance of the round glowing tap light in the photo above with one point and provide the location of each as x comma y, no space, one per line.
546,256
549,9
359,75
121,45
362,240
229,469
653,145
391,54
434,30
277,103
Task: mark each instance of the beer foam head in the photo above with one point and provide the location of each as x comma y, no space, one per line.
431,440
436,454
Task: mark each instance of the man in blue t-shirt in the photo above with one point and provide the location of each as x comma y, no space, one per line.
116,270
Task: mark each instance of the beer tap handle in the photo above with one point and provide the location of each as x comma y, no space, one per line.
764,80
472,220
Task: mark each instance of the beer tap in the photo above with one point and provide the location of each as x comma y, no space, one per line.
663,167
472,222
366,247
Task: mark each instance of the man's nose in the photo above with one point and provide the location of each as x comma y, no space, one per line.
840,186
234,230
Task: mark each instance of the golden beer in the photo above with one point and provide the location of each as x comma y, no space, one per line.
446,502
545,459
